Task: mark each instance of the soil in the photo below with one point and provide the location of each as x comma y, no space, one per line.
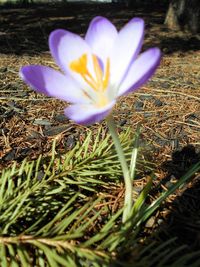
168,106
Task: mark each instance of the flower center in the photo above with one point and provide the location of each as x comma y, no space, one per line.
98,82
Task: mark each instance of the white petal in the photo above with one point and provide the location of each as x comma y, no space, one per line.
140,71
126,48
52,83
101,36
67,47
88,114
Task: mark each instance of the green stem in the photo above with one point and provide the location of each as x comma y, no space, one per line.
128,202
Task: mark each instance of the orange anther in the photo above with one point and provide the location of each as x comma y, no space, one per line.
98,83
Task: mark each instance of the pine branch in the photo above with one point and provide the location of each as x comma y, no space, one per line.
58,211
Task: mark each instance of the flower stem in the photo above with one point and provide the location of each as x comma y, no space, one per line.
127,179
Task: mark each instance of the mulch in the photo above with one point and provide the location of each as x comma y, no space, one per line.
168,106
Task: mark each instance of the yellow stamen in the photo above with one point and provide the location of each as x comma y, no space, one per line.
89,80
107,74
100,82
80,65
98,71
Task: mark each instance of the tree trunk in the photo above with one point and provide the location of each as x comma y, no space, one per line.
184,15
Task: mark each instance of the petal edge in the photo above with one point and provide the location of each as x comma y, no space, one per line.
140,71
52,83
88,114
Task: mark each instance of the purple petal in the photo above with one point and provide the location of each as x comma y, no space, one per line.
66,47
101,36
88,114
126,48
52,83
140,71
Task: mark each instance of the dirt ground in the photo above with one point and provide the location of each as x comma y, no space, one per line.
168,107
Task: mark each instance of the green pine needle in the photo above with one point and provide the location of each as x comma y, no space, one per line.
58,211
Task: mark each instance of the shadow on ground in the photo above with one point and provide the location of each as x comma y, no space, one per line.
25,30
172,234
179,218
183,219
180,43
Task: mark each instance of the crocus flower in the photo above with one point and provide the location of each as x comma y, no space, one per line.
96,70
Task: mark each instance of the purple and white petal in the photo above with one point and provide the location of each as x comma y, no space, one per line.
126,48
66,47
88,114
101,36
52,83
140,71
